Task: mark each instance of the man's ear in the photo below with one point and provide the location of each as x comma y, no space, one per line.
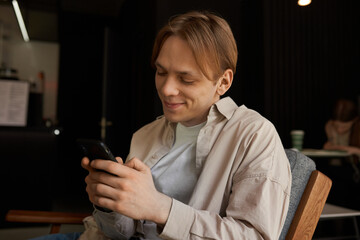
225,82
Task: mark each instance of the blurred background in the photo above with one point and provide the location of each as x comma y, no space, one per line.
88,67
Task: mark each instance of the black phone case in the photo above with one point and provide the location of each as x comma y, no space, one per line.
95,149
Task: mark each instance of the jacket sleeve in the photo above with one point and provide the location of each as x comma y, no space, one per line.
242,221
114,225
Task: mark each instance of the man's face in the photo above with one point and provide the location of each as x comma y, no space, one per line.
186,94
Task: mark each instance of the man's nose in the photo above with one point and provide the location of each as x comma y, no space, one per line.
170,86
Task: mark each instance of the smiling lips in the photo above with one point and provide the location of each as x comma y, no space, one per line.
172,106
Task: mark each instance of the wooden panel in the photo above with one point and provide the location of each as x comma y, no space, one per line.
45,217
310,207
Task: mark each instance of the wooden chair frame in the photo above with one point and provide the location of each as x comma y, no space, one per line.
310,207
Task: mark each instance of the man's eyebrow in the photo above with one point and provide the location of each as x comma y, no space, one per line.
185,73
190,73
159,65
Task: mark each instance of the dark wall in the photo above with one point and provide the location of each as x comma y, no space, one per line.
293,63
130,94
79,98
311,58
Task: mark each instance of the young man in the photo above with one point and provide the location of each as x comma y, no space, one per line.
207,169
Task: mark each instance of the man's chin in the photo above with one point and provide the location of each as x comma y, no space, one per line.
172,117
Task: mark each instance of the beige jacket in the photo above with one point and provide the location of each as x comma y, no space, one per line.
244,187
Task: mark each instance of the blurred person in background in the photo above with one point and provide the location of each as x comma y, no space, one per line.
343,129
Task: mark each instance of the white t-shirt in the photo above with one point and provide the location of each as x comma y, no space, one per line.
175,174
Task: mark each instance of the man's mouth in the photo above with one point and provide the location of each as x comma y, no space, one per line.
172,105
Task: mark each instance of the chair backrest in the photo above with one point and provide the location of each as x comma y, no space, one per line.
309,191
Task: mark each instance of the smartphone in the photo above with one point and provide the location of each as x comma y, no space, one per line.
95,149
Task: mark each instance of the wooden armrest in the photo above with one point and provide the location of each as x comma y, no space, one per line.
310,207
54,218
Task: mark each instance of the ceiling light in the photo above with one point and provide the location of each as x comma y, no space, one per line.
20,20
304,2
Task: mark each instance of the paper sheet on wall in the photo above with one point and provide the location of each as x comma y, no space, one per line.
14,97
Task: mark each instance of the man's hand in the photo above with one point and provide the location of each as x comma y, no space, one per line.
129,191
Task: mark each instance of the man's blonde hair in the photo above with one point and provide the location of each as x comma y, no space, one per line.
209,37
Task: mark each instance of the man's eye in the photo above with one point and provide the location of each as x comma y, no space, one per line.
186,81
160,73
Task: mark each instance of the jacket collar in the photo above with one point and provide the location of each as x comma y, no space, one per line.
226,106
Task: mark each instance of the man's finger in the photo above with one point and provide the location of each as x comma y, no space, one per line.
105,165
119,159
85,163
136,164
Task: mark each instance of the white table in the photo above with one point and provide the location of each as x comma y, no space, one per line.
331,211
334,211
322,153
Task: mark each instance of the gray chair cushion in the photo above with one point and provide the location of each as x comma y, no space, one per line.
301,169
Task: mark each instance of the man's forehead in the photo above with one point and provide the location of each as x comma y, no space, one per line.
179,69
177,55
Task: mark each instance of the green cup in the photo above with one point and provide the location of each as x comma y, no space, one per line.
297,138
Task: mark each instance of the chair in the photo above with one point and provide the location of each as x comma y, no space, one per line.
309,192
